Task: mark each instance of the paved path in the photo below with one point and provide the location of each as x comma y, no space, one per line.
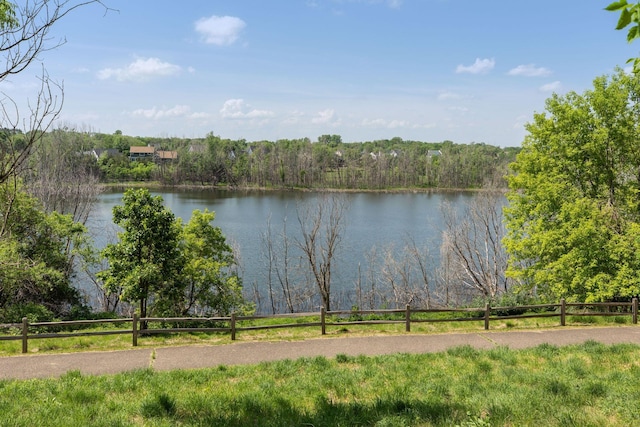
201,356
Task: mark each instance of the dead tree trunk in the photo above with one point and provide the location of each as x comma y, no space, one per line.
322,228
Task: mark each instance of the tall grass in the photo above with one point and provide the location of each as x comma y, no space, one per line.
587,385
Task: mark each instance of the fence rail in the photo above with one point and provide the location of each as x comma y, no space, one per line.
325,319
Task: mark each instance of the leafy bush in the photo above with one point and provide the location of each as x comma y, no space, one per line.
32,311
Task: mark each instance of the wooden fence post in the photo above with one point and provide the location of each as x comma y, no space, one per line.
634,310
323,319
563,312
408,319
25,334
134,328
487,313
233,326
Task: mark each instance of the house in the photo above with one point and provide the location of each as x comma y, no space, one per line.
142,153
162,155
150,153
434,153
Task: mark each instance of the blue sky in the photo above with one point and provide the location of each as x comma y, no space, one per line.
427,70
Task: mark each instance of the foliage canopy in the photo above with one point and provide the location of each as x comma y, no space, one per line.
574,215
36,258
167,267
146,258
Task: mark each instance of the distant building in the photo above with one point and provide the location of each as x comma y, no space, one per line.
142,153
150,153
166,155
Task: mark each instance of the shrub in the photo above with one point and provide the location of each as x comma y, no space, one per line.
32,311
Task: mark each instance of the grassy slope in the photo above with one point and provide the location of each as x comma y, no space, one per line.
587,385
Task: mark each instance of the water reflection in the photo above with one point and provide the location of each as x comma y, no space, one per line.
373,221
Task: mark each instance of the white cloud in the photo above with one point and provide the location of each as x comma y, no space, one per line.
200,115
140,69
325,117
481,66
382,123
159,114
395,124
551,87
529,70
238,109
220,30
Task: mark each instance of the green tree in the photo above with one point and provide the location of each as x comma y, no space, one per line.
36,248
169,268
330,140
574,215
36,258
146,260
8,18
207,285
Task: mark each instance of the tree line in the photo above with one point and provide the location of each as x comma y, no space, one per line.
297,163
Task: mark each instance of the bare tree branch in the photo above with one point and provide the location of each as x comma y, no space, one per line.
322,228
473,242
22,41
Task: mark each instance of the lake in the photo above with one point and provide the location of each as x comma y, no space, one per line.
373,222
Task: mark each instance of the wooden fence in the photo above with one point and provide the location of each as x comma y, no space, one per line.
325,319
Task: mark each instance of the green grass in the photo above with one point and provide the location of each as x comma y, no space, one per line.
586,385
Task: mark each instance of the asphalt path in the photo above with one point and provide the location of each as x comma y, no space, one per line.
239,353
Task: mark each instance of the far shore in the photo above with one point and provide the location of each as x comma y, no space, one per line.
155,185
